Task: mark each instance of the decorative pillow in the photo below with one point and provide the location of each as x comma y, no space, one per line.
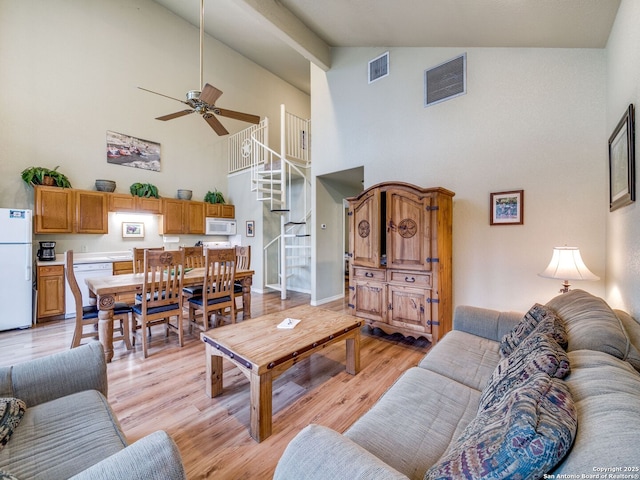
590,323
523,436
538,353
532,319
11,412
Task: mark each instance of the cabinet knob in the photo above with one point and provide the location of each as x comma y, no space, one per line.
368,274
409,279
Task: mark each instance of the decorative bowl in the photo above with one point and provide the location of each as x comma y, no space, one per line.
105,185
185,194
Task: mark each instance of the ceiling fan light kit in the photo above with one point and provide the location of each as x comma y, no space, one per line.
203,102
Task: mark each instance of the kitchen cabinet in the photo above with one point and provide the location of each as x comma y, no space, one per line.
220,210
182,217
66,210
400,255
50,283
124,202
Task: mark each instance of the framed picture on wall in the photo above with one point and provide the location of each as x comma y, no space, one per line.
251,228
132,230
507,208
622,171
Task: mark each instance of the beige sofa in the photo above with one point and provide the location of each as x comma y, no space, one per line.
68,429
454,415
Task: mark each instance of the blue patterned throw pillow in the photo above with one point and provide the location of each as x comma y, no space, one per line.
538,353
538,317
11,412
523,436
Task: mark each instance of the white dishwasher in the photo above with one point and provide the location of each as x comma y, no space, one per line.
82,271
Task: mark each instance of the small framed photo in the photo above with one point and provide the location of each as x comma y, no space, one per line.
622,171
132,230
507,208
251,228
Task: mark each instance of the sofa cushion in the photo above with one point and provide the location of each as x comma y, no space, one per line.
632,330
523,436
62,437
590,323
463,357
11,412
605,391
413,423
538,353
540,318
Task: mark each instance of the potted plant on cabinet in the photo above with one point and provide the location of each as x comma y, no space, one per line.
144,190
45,176
214,197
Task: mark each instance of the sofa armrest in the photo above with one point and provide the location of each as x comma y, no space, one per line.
484,322
58,375
155,456
319,452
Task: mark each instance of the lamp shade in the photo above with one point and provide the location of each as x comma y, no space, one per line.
566,264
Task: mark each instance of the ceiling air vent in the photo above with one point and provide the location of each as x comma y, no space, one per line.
379,67
445,81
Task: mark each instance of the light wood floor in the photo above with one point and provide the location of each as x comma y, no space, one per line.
166,391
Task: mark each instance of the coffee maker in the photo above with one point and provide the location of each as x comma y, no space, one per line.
47,251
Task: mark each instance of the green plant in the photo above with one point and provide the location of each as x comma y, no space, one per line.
214,197
45,176
144,190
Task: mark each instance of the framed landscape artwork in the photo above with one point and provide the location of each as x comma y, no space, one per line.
132,230
507,208
622,171
132,152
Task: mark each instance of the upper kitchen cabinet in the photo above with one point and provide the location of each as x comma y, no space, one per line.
182,217
66,210
220,210
91,212
124,202
53,210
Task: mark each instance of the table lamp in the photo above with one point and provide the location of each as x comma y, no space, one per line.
566,264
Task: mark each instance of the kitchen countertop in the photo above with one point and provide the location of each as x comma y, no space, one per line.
95,257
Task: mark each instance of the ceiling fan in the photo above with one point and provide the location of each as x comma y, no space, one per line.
203,102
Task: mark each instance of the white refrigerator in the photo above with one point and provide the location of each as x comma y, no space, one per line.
16,264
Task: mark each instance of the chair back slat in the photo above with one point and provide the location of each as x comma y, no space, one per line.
220,272
193,257
163,282
73,283
138,258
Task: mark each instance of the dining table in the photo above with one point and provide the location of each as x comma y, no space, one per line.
104,291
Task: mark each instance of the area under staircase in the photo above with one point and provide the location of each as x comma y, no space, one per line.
281,181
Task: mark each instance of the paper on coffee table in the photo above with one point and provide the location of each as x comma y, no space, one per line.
288,323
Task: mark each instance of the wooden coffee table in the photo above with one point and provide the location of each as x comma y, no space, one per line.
263,352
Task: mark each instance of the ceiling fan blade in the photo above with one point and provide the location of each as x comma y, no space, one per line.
163,95
210,94
215,124
171,116
245,117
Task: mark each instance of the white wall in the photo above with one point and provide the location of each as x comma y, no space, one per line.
623,225
532,119
69,73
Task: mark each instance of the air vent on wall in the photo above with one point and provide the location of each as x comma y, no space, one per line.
379,67
445,81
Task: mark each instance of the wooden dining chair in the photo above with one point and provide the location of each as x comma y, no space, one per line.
243,262
193,258
138,258
217,293
161,294
88,316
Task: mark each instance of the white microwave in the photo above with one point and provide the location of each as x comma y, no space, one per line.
220,226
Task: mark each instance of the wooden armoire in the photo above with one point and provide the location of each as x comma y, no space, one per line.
400,259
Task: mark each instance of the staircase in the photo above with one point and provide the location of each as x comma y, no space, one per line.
281,181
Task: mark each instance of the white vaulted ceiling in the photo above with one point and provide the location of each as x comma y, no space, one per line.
283,36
